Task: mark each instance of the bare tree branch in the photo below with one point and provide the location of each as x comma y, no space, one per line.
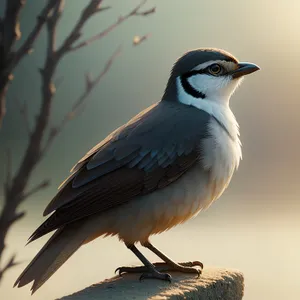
121,19
15,192
11,263
9,34
91,9
146,12
77,107
33,35
52,21
11,25
91,84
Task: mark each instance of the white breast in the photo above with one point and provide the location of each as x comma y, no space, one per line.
222,151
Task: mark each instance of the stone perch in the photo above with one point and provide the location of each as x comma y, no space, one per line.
214,284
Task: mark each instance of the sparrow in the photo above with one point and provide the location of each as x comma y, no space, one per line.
159,170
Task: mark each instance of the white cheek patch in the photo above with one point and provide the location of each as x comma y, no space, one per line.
217,89
208,84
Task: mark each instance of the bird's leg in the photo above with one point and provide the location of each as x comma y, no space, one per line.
149,270
170,265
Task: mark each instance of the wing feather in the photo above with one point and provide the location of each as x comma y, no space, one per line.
150,152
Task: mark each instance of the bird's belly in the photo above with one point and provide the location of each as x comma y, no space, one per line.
165,208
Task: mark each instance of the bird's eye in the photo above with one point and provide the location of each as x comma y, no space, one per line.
215,69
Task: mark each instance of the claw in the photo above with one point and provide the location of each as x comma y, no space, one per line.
198,263
118,270
156,275
192,264
123,269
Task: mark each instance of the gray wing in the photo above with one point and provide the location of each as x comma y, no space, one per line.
148,153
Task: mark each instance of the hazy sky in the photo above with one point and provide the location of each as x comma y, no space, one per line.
266,106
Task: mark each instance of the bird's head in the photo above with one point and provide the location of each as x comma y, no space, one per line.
206,74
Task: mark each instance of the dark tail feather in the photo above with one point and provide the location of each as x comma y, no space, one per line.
53,255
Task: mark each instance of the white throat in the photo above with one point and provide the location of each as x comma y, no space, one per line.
218,107
223,150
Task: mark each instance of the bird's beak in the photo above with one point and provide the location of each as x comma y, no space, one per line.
244,69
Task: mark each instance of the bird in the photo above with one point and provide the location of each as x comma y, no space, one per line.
160,169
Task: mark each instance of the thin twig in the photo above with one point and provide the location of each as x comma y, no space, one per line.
91,84
121,19
11,263
9,33
91,9
54,16
146,12
32,37
77,107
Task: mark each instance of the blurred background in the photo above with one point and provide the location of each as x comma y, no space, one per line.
254,227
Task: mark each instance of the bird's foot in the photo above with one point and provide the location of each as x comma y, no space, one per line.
122,270
195,267
147,273
154,274
185,267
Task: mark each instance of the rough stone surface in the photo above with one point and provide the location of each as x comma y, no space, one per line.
214,284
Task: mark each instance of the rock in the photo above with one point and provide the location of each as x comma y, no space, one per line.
213,284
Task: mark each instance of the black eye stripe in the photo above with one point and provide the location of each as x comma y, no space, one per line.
202,71
189,89
196,72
